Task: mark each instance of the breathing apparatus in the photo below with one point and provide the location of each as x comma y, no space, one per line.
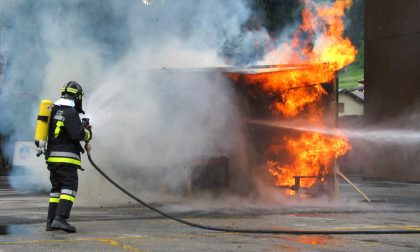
42,125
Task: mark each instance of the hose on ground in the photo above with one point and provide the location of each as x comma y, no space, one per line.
249,231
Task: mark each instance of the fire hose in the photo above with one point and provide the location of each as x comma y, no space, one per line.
249,231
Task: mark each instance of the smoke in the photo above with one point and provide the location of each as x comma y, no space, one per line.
149,119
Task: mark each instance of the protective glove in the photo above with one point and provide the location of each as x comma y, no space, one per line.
88,131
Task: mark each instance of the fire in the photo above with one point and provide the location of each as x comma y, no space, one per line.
293,87
322,31
313,153
316,52
322,51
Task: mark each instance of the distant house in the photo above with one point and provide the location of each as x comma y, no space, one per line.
351,101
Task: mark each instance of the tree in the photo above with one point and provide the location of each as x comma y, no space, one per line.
276,14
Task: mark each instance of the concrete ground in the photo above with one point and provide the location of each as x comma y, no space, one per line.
134,228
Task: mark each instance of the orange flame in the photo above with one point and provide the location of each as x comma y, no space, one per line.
323,51
311,152
287,85
315,59
322,29
317,51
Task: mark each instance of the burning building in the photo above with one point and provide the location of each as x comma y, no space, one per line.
284,129
278,101
301,93
288,156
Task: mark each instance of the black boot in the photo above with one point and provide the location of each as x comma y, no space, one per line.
61,223
49,228
51,214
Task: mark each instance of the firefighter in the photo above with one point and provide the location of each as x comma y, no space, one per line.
66,130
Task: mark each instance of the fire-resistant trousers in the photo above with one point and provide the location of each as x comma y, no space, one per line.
64,184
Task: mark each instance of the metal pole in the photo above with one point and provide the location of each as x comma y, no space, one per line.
335,168
354,186
335,180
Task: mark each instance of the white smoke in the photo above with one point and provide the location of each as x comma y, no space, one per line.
149,121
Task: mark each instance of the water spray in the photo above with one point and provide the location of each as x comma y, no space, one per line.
374,135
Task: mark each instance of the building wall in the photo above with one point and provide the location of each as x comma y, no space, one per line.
351,106
392,83
392,56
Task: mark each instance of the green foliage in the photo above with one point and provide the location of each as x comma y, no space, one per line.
349,76
360,57
355,22
276,14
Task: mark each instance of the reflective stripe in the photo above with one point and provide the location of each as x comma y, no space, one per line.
69,192
54,200
67,197
55,195
72,90
59,117
58,126
63,160
87,136
64,154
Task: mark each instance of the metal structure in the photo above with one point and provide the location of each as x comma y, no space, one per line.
261,136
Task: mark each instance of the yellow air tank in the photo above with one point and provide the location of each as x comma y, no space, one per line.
42,124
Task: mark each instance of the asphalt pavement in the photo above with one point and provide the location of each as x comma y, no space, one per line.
134,228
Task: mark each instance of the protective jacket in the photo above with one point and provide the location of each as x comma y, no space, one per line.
65,133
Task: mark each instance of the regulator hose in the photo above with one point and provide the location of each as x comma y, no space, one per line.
249,231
